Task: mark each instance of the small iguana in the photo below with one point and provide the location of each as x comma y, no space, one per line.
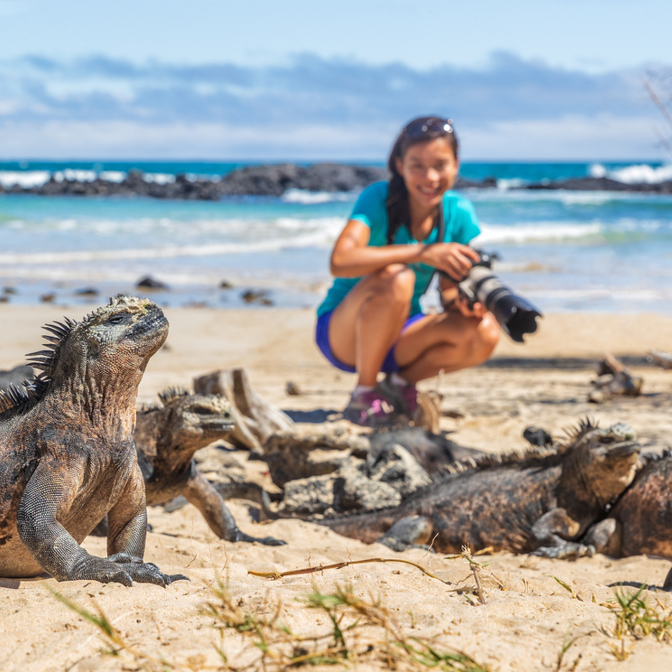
167,437
640,523
517,503
15,376
67,456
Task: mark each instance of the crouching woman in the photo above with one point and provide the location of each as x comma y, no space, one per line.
383,262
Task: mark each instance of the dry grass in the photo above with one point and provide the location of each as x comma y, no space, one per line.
636,619
359,630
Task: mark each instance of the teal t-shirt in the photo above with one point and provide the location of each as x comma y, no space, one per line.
371,210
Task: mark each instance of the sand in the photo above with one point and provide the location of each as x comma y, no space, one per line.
528,614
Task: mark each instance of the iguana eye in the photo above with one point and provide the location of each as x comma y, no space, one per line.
117,319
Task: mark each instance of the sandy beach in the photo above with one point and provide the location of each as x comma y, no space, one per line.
528,613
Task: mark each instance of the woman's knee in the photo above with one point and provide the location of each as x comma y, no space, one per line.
397,280
476,338
486,337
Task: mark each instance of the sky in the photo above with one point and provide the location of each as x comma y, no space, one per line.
311,80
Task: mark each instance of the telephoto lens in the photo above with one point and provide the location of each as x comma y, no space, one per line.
516,315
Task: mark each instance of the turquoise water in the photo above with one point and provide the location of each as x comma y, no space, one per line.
565,251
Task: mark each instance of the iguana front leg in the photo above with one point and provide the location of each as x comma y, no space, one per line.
409,532
550,535
606,537
49,495
202,494
127,532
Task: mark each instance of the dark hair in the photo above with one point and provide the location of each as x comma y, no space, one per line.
421,129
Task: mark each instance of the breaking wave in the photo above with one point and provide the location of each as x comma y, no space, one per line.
636,174
537,232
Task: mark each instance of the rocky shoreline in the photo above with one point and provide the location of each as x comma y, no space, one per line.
275,180
603,184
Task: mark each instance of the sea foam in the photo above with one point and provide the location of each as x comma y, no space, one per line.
537,232
314,197
26,179
636,174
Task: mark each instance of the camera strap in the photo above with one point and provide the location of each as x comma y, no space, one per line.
440,235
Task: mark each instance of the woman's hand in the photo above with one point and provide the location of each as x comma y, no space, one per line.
477,310
451,300
451,258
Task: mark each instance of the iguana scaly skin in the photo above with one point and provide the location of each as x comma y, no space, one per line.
641,521
67,456
517,503
167,437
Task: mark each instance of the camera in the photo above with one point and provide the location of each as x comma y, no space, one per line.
515,315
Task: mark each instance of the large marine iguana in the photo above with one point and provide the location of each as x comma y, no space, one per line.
514,502
641,521
67,456
167,437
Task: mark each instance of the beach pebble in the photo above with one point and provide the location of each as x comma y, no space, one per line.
292,389
87,291
259,296
148,282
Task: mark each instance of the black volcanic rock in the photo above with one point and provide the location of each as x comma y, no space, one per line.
487,183
601,184
275,180
148,282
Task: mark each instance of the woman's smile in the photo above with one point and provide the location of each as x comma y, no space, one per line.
429,169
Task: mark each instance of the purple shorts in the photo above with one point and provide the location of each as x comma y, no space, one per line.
322,339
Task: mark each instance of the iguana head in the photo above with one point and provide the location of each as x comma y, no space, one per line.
600,463
188,422
113,343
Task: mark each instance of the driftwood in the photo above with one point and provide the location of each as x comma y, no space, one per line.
428,415
255,418
614,380
662,359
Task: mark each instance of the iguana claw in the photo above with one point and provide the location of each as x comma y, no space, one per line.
142,572
266,541
567,551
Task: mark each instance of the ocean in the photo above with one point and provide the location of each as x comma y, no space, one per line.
562,250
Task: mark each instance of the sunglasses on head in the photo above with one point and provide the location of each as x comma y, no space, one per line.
425,125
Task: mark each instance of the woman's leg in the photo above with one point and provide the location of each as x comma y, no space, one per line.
369,320
447,341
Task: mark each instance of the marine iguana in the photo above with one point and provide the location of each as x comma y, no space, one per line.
641,521
67,455
514,502
167,437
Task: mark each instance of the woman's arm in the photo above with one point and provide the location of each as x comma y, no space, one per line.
352,257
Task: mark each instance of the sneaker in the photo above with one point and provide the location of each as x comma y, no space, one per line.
370,409
403,397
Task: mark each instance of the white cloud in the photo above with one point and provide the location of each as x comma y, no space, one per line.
314,108
580,137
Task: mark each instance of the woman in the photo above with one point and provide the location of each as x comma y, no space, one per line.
383,261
